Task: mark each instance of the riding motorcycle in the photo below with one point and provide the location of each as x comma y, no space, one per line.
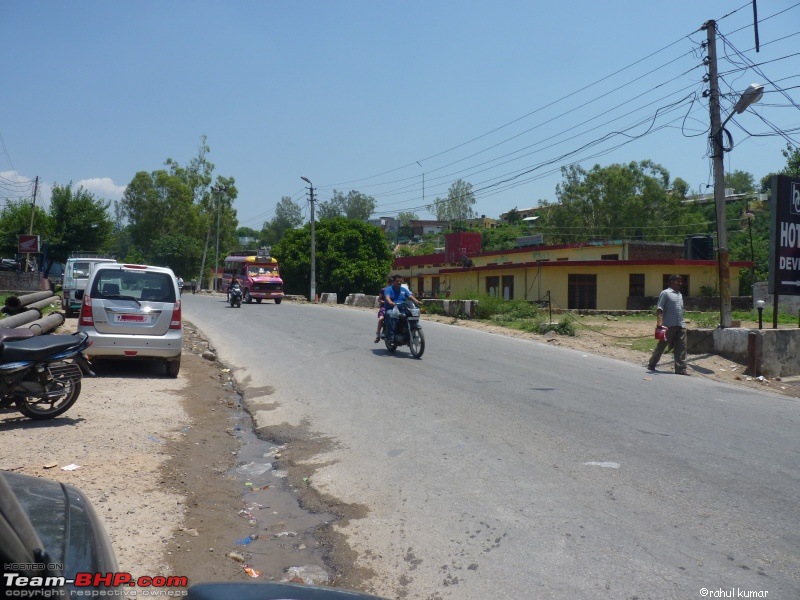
41,375
235,296
407,330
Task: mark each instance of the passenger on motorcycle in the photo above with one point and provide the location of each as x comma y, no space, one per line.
382,312
395,295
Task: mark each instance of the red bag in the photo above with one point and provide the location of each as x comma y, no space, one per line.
661,333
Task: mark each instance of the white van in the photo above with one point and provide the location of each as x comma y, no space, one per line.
76,274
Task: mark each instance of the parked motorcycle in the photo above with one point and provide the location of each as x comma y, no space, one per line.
235,296
42,375
407,331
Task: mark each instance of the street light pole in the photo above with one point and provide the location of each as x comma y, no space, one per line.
751,95
313,294
218,191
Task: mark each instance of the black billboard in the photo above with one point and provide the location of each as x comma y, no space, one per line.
784,231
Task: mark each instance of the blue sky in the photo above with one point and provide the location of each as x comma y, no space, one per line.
383,96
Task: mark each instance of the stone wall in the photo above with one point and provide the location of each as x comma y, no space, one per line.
16,281
768,352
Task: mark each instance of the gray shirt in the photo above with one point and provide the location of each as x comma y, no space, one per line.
671,303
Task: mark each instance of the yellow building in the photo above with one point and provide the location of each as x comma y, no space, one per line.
619,275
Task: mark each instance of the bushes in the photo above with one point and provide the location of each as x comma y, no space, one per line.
498,309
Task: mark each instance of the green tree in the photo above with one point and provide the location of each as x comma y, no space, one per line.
351,257
181,253
513,217
288,215
405,230
15,219
740,182
615,202
456,208
503,237
792,167
354,205
80,222
156,205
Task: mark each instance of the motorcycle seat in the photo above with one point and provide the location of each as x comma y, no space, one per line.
36,348
8,334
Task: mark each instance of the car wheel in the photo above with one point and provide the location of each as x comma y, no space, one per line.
173,367
278,300
247,297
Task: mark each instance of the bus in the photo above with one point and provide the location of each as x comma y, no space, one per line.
257,273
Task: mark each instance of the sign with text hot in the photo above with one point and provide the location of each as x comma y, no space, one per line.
28,244
784,264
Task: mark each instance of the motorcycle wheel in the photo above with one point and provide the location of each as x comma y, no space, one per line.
391,346
40,409
417,343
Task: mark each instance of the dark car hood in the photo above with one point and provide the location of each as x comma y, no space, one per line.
65,523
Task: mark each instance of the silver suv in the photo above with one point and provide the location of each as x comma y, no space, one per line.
133,312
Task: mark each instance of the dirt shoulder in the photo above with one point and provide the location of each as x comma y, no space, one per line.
618,337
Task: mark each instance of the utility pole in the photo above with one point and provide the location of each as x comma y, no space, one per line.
723,252
33,212
218,191
313,294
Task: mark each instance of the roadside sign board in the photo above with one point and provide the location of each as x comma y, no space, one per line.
28,244
784,230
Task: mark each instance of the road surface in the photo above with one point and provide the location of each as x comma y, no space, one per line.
500,467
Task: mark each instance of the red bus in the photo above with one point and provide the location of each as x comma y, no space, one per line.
257,273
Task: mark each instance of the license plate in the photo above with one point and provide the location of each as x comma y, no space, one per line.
133,318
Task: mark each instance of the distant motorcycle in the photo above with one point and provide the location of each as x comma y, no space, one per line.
41,375
235,296
407,331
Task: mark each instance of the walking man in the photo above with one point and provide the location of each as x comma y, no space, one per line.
669,314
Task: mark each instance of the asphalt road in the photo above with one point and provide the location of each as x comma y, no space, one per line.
499,467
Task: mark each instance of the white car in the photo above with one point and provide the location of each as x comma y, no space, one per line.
133,312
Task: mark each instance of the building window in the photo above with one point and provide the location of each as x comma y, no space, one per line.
609,257
684,284
421,286
508,287
582,292
435,287
493,286
636,285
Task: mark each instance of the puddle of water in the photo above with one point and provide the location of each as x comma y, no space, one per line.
276,533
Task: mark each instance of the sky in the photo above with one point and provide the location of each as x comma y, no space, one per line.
396,100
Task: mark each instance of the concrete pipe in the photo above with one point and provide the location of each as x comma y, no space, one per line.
27,299
42,304
47,324
21,319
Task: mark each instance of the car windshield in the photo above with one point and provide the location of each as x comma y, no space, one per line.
256,271
138,285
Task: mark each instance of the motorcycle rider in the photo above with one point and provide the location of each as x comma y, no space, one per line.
393,295
234,285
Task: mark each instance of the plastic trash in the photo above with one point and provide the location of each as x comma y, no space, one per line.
253,469
251,571
71,467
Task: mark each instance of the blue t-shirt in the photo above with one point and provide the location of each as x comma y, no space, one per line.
398,297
